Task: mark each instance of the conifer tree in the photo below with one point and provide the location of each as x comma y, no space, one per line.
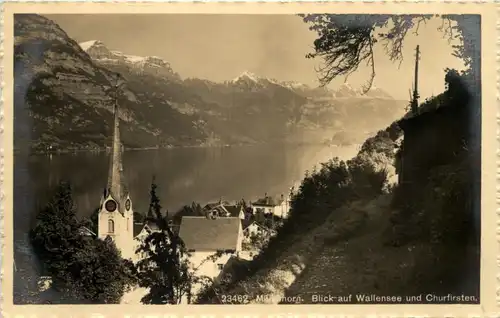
154,211
165,269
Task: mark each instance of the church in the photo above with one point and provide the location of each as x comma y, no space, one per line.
116,215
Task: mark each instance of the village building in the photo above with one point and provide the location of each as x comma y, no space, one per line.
435,132
224,209
255,228
269,205
206,237
255,236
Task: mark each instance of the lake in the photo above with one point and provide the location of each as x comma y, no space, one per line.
183,175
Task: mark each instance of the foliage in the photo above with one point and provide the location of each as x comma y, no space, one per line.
98,273
55,237
83,267
165,268
346,41
92,223
154,211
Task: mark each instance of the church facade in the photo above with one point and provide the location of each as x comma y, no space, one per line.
116,215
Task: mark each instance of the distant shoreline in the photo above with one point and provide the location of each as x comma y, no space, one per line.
106,149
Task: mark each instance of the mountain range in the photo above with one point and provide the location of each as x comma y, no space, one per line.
64,99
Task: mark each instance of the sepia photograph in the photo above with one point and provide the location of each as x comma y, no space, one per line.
310,159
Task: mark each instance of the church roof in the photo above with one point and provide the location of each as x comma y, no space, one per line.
204,234
116,180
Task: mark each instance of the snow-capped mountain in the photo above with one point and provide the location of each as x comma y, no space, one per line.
347,91
168,110
376,92
246,76
98,51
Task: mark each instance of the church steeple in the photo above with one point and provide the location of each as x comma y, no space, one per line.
116,221
116,184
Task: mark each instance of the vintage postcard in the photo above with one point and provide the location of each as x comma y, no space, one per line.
324,158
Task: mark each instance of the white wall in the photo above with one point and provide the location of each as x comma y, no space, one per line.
208,268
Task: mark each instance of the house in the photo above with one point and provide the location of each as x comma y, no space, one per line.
207,236
435,135
224,209
256,228
278,207
255,236
141,231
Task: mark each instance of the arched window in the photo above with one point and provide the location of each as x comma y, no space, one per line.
111,226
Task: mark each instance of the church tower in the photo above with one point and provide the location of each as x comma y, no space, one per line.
116,216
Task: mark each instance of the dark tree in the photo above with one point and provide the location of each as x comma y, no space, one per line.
98,273
165,269
154,211
56,235
82,267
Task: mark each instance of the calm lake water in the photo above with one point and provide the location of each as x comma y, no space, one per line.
182,175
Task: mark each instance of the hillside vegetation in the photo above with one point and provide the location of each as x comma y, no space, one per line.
352,232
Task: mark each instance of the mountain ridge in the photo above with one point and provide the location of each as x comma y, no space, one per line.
61,84
344,90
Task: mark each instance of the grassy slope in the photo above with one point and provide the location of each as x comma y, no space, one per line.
347,250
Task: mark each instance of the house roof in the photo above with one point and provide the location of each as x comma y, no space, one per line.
246,223
212,205
265,228
268,201
138,227
234,210
430,106
204,234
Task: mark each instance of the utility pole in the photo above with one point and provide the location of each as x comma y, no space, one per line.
414,101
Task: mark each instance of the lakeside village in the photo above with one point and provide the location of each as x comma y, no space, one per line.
219,235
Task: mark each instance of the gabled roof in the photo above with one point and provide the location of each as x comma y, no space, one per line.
138,228
234,210
149,225
204,234
212,205
246,222
268,201
263,227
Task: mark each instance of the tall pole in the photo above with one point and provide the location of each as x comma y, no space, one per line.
414,103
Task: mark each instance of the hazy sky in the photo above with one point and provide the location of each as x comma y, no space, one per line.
220,47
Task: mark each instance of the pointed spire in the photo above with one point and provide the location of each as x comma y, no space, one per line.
115,177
